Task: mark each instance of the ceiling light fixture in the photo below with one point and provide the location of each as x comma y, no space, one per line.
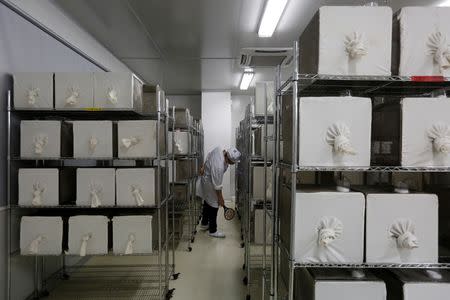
271,16
246,78
445,3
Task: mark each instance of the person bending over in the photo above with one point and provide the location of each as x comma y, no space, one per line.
209,186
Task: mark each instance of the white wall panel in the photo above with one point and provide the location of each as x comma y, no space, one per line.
47,13
216,117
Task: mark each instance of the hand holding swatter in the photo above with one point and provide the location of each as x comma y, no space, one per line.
228,213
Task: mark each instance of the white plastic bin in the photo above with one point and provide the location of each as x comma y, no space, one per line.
33,90
88,235
40,139
74,91
41,235
137,139
92,139
402,228
38,187
136,187
96,187
132,235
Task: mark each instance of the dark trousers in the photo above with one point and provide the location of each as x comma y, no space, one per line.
210,217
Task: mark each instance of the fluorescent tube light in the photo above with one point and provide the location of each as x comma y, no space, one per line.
445,3
246,79
271,16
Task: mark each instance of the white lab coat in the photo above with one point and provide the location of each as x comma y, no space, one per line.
207,185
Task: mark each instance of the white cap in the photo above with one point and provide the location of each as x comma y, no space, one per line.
234,154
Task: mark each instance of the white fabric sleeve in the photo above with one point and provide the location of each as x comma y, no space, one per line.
216,165
217,178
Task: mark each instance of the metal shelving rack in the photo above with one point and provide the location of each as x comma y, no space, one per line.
149,275
183,208
255,255
198,155
239,178
319,85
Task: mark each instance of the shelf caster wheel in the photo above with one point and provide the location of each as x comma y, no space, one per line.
243,267
242,237
193,240
169,294
248,297
175,276
65,276
242,245
189,249
245,280
195,232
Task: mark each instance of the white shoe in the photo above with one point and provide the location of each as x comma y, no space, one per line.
204,227
217,234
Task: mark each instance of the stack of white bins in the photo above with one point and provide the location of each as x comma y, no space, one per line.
358,40
92,139
424,34
331,284
95,187
334,131
367,226
88,235
348,40
76,91
328,227
336,227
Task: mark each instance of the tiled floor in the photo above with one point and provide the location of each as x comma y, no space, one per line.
213,270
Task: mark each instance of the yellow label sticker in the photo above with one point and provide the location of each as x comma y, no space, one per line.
93,109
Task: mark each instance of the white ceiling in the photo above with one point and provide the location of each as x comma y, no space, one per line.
193,45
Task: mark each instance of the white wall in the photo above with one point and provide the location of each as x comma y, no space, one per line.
216,117
50,16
